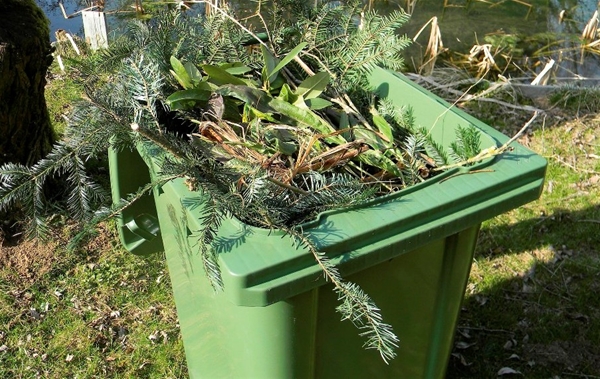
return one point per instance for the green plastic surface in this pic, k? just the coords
(138, 225)
(411, 252)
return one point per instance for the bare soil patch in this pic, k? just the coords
(581, 357)
(25, 261)
(28, 260)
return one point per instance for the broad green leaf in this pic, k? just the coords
(236, 68)
(180, 73)
(287, 59)
(314, 85)
(182, 104)
(266, 103)
(282, 132)
(319, 103)
(177, 99)
(240, 70)
(285, 148)
(269, 63)
(221, 77)
(263, 76)
(376, 158)
(370, 137)
(193, 73)
(247, 114)
(261, 115)
(278, 82)
(286, 94)
(345, 124)
(232, 110)
(384, 127)
(300, 103)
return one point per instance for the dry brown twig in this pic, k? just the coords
(465, 97)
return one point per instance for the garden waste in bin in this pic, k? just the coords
(410, 251)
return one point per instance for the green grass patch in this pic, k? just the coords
(531, 301)
(61, 92)
(100, 312)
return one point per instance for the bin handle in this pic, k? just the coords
(138, 224)
(145, 226)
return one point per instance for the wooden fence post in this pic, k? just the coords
(94, 29)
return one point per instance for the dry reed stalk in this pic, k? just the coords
(542, 78)
(446, 5)
(529, 6)
(590, 33)
(593, 44)
(138, 6)
(591, 28)
(591, 48)
(410, 6)
(333, 157)
(482, 55)
(435, 45)
(221, 134)
(210, 6)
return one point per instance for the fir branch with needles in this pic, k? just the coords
(355, 305)
(467, 143)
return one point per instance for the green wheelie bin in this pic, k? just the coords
(410, 251)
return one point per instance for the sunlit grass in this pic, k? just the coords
(93, 316)
(531, 303)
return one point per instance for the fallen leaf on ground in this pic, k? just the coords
(463, 361)
(510, 344)
(464, 345)
(464, 332)
(508, 371)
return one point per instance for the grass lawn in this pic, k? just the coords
(531, 305)
(98, 312)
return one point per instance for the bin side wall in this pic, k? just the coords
(128, 173)
(420, 294)
(224, 340)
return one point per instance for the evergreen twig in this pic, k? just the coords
(356, 305)
(491, 151)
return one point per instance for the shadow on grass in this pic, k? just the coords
(538, 309)
(561, 227)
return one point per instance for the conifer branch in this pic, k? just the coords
(491, 151)
(356, 305)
